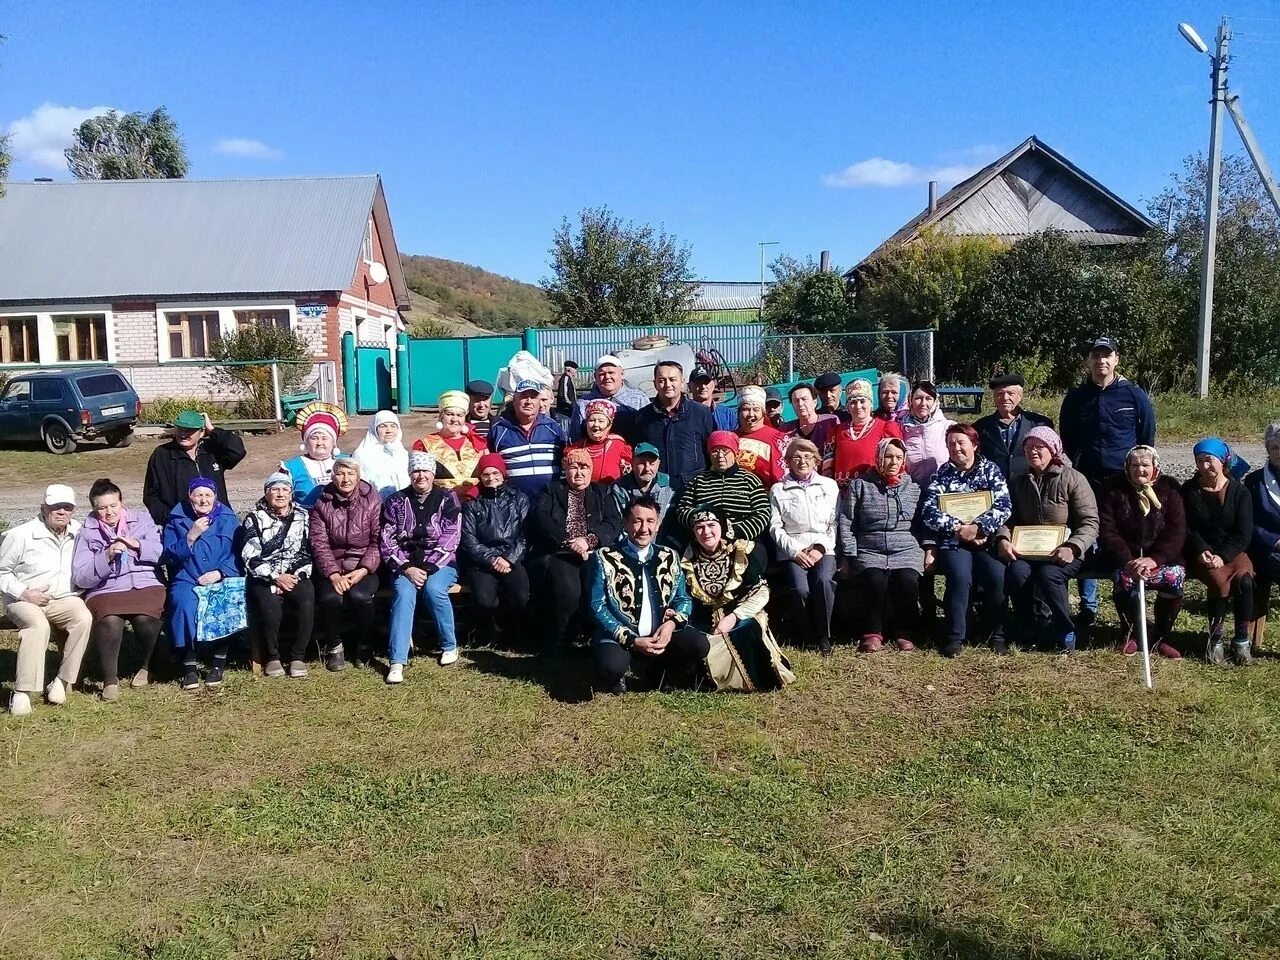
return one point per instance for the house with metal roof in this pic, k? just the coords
(1029, 190)
(148, 275)
(735, 301)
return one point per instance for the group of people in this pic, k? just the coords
(656, 530)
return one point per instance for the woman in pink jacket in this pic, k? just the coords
(924, 432)
(114, 563)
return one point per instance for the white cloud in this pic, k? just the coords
(879, 172)
(244, 147)
(41, 137)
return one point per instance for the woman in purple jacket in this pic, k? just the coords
(421, 529)
(114, 562)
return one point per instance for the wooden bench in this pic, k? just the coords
(291, 403)
(966, 400)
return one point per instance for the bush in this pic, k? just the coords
(166, 409)
(268, 343)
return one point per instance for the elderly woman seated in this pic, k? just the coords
(1050, 493)
(729, 595)
(572, 518)
(1264, 551)
(803, 527)
(345, 524)
(115, 563)
(493, 549)
(1142, 529)
(1219, 531)
(199, 550)
(960, 543)
(879, 550)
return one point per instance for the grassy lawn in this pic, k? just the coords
(887, 806)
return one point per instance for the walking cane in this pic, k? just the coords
(1142, 630)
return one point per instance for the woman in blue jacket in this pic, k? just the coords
(198, 541)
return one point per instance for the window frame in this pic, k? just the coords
(32, 354)
(179, 323)
(227, 324)
(46, 343)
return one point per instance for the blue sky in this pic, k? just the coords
(728, 123)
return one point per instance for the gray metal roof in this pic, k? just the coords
(730, 295)
(96, 240)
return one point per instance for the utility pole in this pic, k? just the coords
(1204, 329)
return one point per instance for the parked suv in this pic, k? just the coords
(63, 408)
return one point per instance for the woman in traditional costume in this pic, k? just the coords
(321, 424)
(456, 447)
(610, 454)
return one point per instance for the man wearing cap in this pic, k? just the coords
(39, 596)
(729, 488)
(1001, 434)
(197, 449)
(702, 390)
(773, 407)
(676, 426)
(610, 385)
(809, 424)
(645, 480)
(276, 553)
(760, 446)
(1102, 419)
(480, 408)
(566, 390)
(830, 389)
(529, 442)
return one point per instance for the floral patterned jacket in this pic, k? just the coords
(434, 543)
(984, 475)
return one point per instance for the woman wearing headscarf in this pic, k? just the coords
(456, 447)
(276, 552)
(345, 524)
(1050, 493)
(924, 432)
(857, 440)
(961, 547)
(1142, 530)
(493, 547)
(572, 517)
(1264, 551)
(610, 454)
(384, 462)
(114, 562)
(729, 594)
(879, 548)
(199, 550)
(321, 424)
(803, 527)
(1219, 531)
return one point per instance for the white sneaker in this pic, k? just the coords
(19, 704)
(56, 692)
(448, 657)
(396, 673)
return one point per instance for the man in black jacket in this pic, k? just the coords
(198, 449)
(1001, 434)
(677, 426)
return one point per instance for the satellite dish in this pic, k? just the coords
(377, 273)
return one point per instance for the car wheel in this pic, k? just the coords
(58, 439)
(120, 438)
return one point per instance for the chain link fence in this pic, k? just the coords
(784, 358)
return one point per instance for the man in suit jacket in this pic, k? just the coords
(1000, 434)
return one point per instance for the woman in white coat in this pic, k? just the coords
(383, 459)
(803, 527)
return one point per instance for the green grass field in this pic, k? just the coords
(894, 806)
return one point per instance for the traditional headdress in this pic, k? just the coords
(752, 396)
(859, 388)
(454, 400)
(707, 511)
(322, 416)
(600, 405)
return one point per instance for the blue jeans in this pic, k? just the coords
(963, 569)
(1089, 594)
(436, 592)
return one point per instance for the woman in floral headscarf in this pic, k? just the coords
(610, 454)
(456, 448)
(730, 594)
(1219, 531)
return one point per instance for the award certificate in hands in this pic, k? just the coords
(965, 507)
(1038, 541)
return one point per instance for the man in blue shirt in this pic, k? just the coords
(610, 385)
(530, 442)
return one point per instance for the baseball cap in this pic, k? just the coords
(189, 420)
(528, 386)
(700, 375)
(608, 360)
(1104, 343)
(772, 395)
(645, 450)
(57, 493)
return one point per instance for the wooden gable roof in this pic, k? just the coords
(1032, 188)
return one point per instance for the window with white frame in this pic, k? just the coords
(193, 334)
(80, 336)
(263, 318)
(368, 241)
(18, 340)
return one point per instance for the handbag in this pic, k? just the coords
(220, 609)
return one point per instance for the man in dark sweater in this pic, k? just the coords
(1001, 434)
(677, 426)
(198, 449)
(737, 492)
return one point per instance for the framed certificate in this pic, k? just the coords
(1038, 541)
(965, 507)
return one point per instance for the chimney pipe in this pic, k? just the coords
(824, 261)
(933, 196)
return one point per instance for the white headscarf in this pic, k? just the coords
(384, 465)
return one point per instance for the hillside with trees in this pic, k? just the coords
(462, 297)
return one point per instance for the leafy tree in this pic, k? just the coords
(605, 272)
(252, 381)
(804, 299)
(129, 146)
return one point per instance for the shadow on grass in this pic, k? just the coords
(566, 678)
(920, 935)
